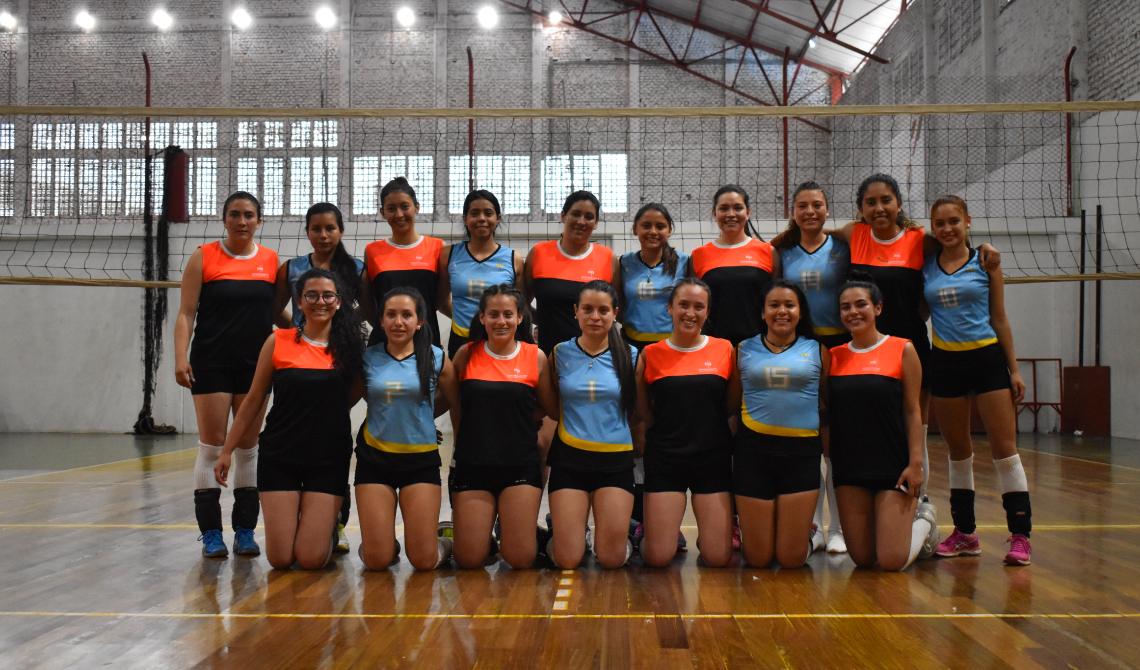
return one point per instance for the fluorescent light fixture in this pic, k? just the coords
(812, 43)
(161, 19)
(241, 19)
(555, 16)
(85, 21)
(325, 18)
(488, 17)
(7, 21)
(405, 17)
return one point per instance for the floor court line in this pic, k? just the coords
(113, 526)
(630, 616)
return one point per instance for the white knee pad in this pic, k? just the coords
(243, 472)
(1011, 474)
(204, 466)
(962, 474)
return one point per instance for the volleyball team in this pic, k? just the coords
(725, 374)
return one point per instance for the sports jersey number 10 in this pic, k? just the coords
(777, 377)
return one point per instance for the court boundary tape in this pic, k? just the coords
(629, 616)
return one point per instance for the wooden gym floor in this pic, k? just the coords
(99, 568)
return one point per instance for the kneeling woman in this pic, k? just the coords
(502, 377)
(683, 394)
(306, 446)
(776, 468)
(877, 438)
(408, 382)
(591, 456)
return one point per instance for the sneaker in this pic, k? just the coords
(244, 544)
(445, 529)
(213, 546)
(636, 532)
(1019, 550)
(959, 544)
(817, 539)
(926, 510)
(396, 557)
(542, 538)
(836, 544)
(341, 546)
(589, 539)
(735, 535)
(682, 543)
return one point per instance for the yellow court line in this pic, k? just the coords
(646, 615)
(115, 526)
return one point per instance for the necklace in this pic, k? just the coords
(781, 347)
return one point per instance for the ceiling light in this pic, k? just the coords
(488, 17)
(555, 16)
(161, 19)
(812, 43)
(241, 19)
(7, 21)
(85, 21)
(405, 17)
(325, 17)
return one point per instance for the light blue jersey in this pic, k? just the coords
(647, 289)
(781, 391)
(399, 419)
(299, 266)
(959, 304)
(590, 413)
(820, 274)
(469, 278)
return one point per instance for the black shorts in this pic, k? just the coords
(492, 478)
(278, 475)
(702, 474)
(589, 480)
(454, 343)
(370, 473)
(957, 374)
(764, 475)
(874, 484)
(232, 380)
(831, 341)
(923, 350)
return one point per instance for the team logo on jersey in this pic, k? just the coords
(646, 290)
(811, 280)
(475, 288)
(871, 365)
(518, 374)
(709, 367)
(392, 389)
(749, 260)
(948, 297)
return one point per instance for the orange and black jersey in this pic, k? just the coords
(896, 266)
(415, 265)
(498, 396)
(557, 278)
(688, 388)
(865, 411)
(235, 307)
(737, 276)
(309, 422)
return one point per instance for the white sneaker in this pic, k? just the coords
(817, 539)
(836, 544)
(926, 510)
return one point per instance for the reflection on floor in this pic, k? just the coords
(100, 567)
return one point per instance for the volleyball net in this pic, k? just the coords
(74, 181)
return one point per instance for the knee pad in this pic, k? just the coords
(204, 466)
(243, 472)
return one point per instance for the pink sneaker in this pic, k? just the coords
(959, 544)
(1019, 550)
(736, 536)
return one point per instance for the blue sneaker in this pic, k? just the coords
(244, 544)
(213, 546)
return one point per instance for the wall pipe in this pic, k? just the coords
(1069, 135)
(470, 122)
(1096, 346)
(1081, 319)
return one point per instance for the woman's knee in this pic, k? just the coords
(716, 557)
(313, 559)
(791, 560)
(757, 558)
(374, 559)
(280, 560)
(519, 559)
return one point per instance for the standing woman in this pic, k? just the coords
(818, 263)
(404, 259)
(466, 269)
(591, 456)
(876, 437)
(555, 271)
(737, 266)
(228, 287)
(408, 382)
(783, 373)
(683, 394)
(324, 227)
(306, 447)
(973, 356)
(504, 381)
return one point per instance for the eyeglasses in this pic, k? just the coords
(328, 297)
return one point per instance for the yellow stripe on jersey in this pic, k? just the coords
(395, 447)
(644, 337)
(963, 346)
(587, 445)
(821, 330)
(462, 332)
(780, 431)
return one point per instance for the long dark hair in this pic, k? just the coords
(524, 333)
(421, 339)
(579, 196)
(241, 195)
(902, 219)
(792, 234)
(803, 327)
(749, 229)
(398, 185)
(346, 335)
(480, 194)
(619, 350)
(669, 258)
(341, 264)
(863, 280)
(689, 281)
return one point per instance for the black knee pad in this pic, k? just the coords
(208, 509)
(246, 508)
(1018, 513)
(962, 510)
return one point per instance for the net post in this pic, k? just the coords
(1096, 346)
(1081, 320)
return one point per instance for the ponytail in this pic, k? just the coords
(619, 351)
(341, 264)
(421, 340)
(669, 257)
